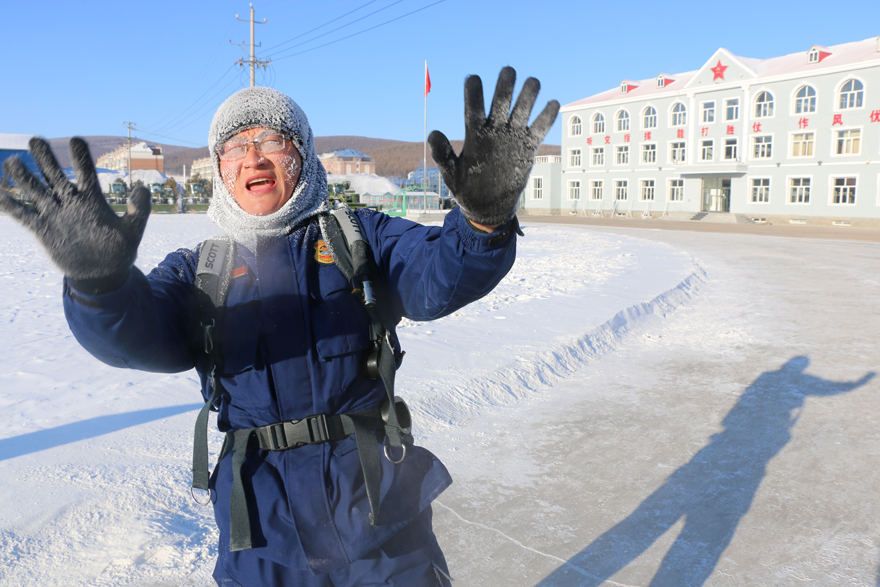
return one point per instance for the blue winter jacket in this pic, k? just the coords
(293, 343)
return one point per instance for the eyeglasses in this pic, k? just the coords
(237, 148)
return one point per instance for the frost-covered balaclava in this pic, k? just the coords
(252, 108)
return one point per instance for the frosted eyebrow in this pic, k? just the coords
(269, 132)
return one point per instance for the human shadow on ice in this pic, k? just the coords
(75, 431)
(712, 492)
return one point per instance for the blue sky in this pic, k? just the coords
(81, 68)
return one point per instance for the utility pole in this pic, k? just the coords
(252, 61)
(130, 125)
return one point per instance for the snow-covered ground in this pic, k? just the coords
(580, 407)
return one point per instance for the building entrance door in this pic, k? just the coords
(715, 195)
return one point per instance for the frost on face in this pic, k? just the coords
(230, 176)
(290, 166)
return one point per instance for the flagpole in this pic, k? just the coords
(425, 154)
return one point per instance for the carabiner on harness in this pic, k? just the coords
(196, 499)
(388, 452)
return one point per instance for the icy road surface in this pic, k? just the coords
(626, 405)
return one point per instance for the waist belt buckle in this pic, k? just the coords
(295, 433)
(317, 426)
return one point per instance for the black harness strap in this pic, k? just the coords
(212, 286)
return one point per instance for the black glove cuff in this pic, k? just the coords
(100, 285)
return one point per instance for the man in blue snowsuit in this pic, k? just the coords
(294, 337)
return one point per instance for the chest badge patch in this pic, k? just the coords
(322, 253)
(239, 272)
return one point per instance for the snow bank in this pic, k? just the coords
(365, 184)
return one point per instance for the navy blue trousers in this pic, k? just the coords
(412, 558)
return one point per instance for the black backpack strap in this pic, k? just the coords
(213, 275)
(351, 253)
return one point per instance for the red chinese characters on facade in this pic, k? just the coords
(875, 115)
(626, 138)
(648, 135)
(838, 119)
(607, 140)
(679, 134)
(704, 131)
(803, 123)
(589, 140)
(730, 129)
(756, 127)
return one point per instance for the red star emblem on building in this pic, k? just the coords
(718, 71)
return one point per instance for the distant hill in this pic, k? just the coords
(392, 158)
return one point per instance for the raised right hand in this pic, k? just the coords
(76, 226)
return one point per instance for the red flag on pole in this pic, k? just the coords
(427, 80)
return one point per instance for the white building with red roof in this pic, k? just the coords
(787, 139)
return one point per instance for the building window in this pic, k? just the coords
(575, 126)
(848, 141)
(574, 158)
(677, 152)
(623, 120)
(599, 156)
(799, 190)
(649, 153)
(679, 114)
(620, 189)
(537, 188)
(706, 150)
(598, 123)
(764, 105)
(805, 100)
(574, 190)
(676, 190)
(763, 147)
(851, 94)
(844, 190)
(731, 109)
(648, 190)
(650, 117)
(814, 56)
(802, 144)
(761, 190)
(730, 146)
(622, 155)
(596, 190)
(708, 109)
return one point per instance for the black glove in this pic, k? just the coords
(493, 168)
(76, 226)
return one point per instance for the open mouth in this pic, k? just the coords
(260, 183)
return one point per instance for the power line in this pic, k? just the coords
(209, 104)
(360, 32)
(143, 132)
(171, 124)
(311, 11)
(345, 25)
(197, 79)
(322, 26)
